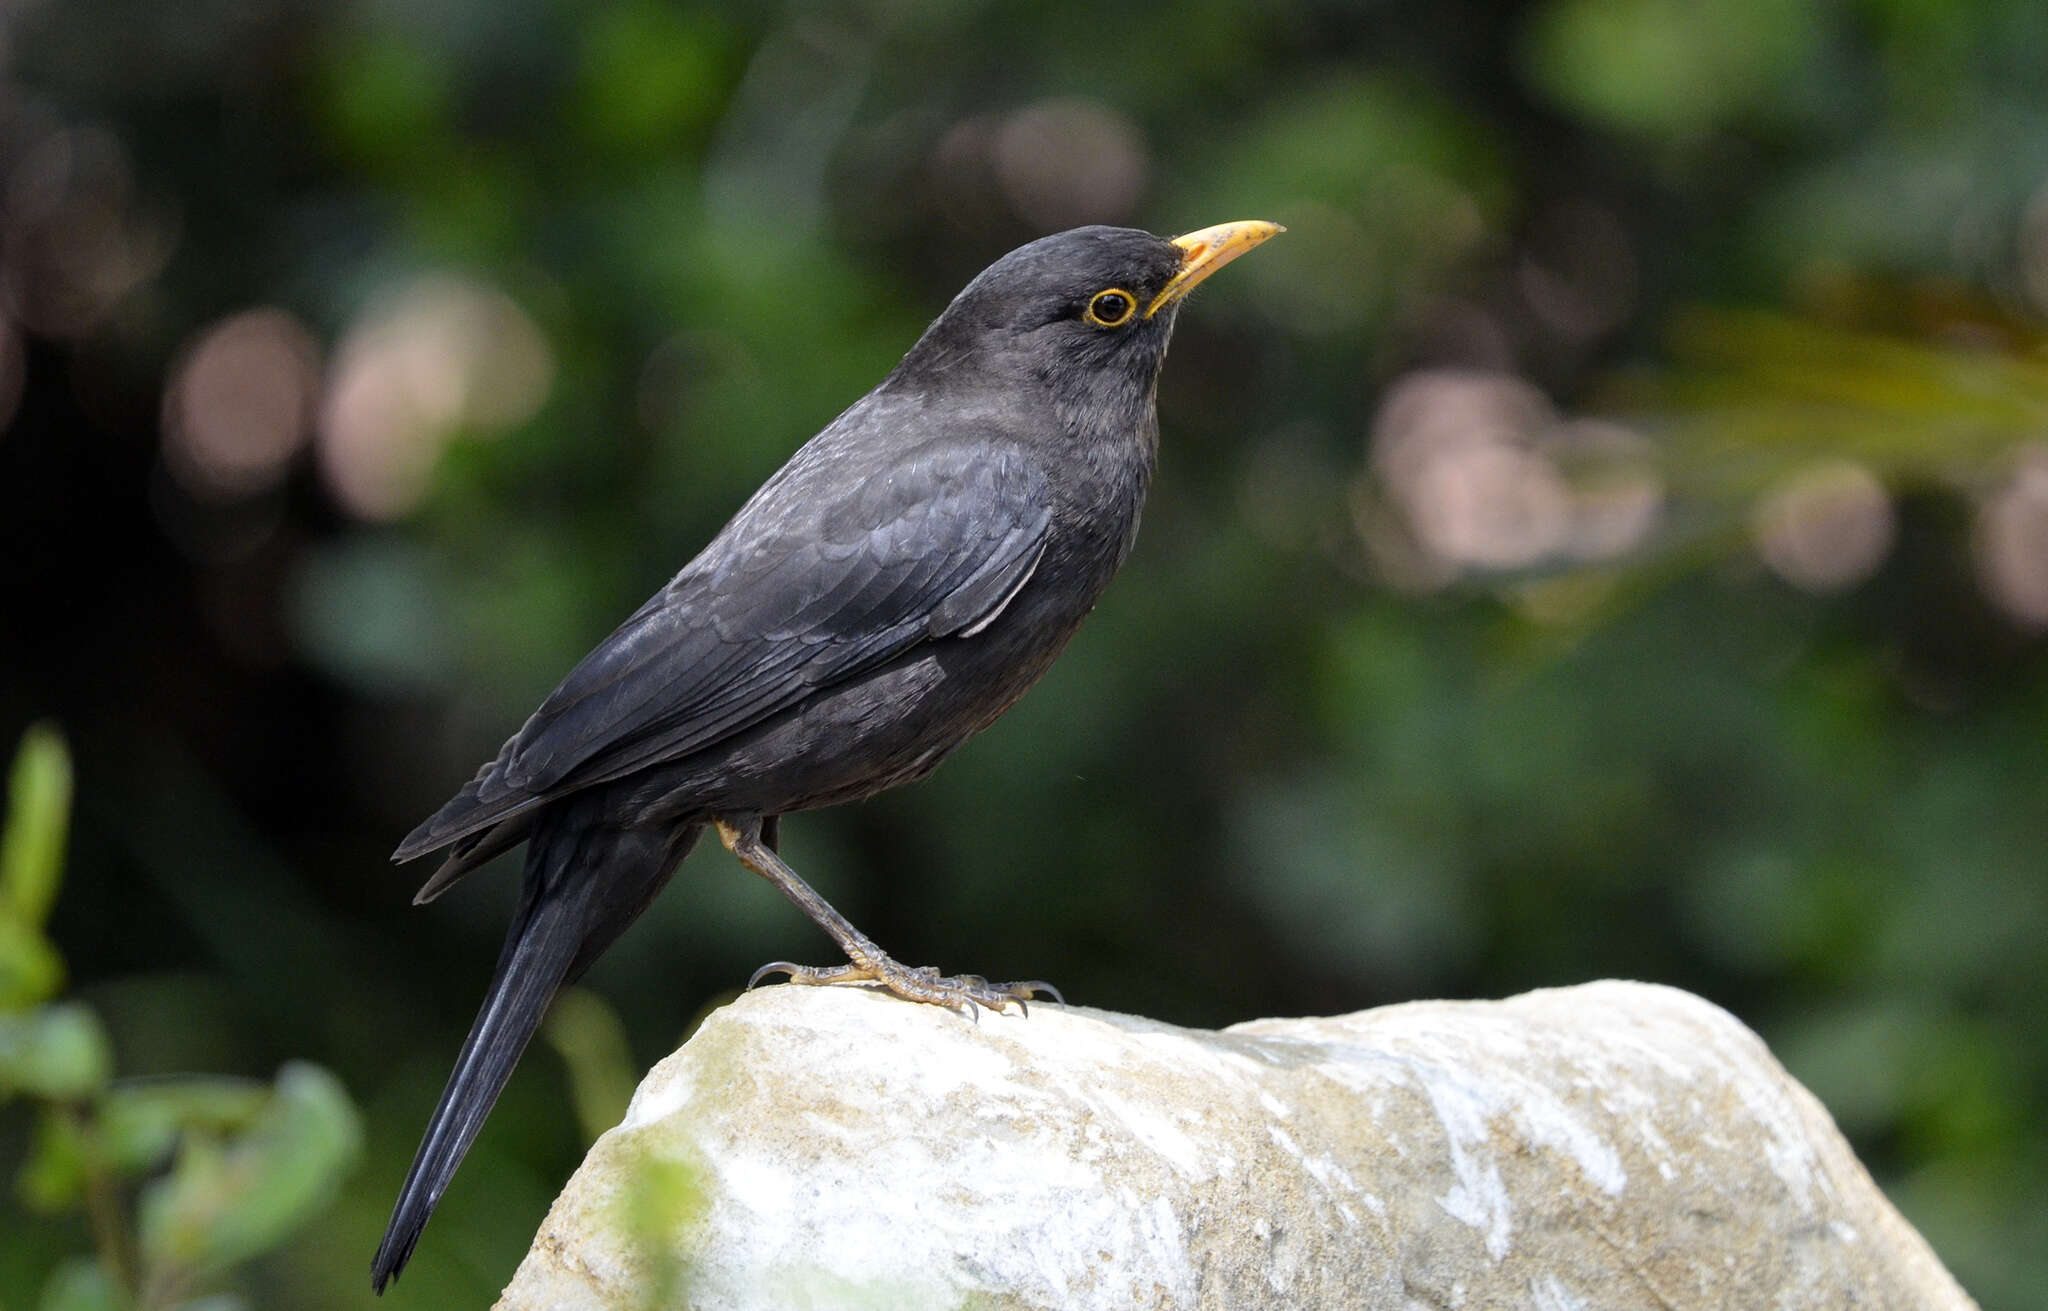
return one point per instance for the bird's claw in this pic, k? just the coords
(1025, 989)
(967, 993)
(791, 968)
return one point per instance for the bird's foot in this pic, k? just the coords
(960, 992)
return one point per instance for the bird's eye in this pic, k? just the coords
(1112, 308)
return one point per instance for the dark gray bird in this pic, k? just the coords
(885, 596)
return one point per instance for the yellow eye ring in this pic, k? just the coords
(1111, 308)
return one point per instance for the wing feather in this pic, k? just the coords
(810, 584)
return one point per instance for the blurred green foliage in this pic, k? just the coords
(1608, 535)
(31, 865)
(587, 1035)
(214, 1170)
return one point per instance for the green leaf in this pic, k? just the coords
(53, 1177)
(664, 1194)
(38, 816)
(593, 1046)
(59, 1052)
(81, 1285)
(31, 971)
(32, 865)
(141, 1120)
(230, 1199)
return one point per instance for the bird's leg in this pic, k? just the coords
(868, 963)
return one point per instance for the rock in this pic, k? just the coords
(1613, 1145)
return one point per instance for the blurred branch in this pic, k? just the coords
(1754, 391)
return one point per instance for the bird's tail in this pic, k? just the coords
(584, 884)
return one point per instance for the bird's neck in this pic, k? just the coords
(1102, 409)
(1101, 417)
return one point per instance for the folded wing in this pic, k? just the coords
(810, 584)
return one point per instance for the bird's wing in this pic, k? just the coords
(811, 583)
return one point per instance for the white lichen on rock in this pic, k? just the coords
(1612, 1145)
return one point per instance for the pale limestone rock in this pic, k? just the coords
(1615, 1145)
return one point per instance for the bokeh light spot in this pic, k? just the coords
(75, 240)
(1578, 272)
(1487, 476)
(1063, 163)
(238, 404)
(1825, 528)
(445, 356)
(2012, 542)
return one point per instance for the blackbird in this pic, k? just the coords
(887, 594)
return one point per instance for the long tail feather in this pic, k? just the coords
(584, 884)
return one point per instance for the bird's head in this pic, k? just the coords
(1081, 309)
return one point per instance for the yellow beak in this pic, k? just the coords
(1207, 250)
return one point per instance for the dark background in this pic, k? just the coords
(1607, 535)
